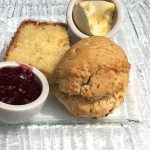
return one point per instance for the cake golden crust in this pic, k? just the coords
(93, 75)
(40, 44)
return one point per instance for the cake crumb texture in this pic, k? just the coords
(40, 44)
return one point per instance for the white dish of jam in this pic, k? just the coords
(23, 92)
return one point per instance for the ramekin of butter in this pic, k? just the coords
(23, 92)
(89, 17)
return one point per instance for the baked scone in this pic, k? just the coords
(92, 78)
(40, 44)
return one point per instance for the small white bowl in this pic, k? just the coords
(117, 22)
(21, 113)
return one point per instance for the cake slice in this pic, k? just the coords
(40, 44)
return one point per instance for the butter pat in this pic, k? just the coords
(94, 17)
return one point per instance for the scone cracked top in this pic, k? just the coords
(92, 78)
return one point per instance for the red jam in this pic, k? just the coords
(18, 85)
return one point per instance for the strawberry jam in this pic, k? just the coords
(18, 85)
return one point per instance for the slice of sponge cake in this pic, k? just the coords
(40, 44)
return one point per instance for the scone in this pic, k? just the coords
(40, 44)
(92, 78)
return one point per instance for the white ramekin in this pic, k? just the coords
(112, 32)
(21, 113)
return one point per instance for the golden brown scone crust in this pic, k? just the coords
(80, 106)
(92, 78)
